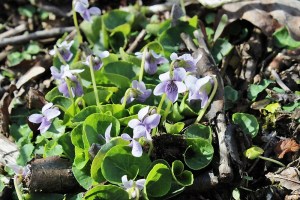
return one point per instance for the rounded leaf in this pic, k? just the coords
(248, 123)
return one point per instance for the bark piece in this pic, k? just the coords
(52, 174)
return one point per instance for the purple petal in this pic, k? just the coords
(143, 112)
(80, 8)
(94, 11)
(137, 149)
(46, 107)
(160, 88)
(133, 123)
(190, 82)
(150, 66)
(139, 131)
(86, 15)
(179, 74)
(78, 90)
(144, 96)
(36, 118)
(51, 113)
(107, 133)
(152, 121)
(66, 54)
(140, 184)
(165, 76)
(127, 184)
(181, 87)
(125, 136)
(55, 73)
(138, 54)
(172, 91)
(103, 54)
(52, 52)
(174, 56)
(45, 125)
(162, 60)
(63, 88)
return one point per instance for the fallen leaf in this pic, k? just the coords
(285, 146)
(288, 178)
(268, 15)
(31, 73)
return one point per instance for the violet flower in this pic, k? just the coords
(152, 60)
(81, 6)
(19, 170)
(199, 88)
(107, 136)
(138, 92)
(45, 119)
(64, 50)
(141, 128)
(65, 72)
(145, 123)
(133, 187)
(137, 150)
(185, 61)
(171, 85)
(96, 60)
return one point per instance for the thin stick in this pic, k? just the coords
(13, 31)
(279, 81)
(137, 40)
(35, 36)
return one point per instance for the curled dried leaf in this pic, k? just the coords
(285, 146)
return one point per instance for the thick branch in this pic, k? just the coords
(35, 36)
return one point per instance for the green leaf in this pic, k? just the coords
(122, 68)
(175, 115)
(62, 101)
(223, 22)
(67, 146)
(43, 196)
(158, 181)
(96, 124)
(27, 11)
(283, 39)
(117, 110)
(81, 158)
(116, 18)
(231, 96)
(76, 136)
(52, 94)
(96, 173)
(272, 107)
(171, 40)
(52, 148)
(119, 162)
(253, 152)
(198, 154)
(174, 128)
(92, 29)
(236, 194)
(25, 154)
(117, 40)
(121, 82)
(199, 131)
(33, 48)
(254, 90)
(220, 49)
(14, 58)
(181, 176)
(106, 192)
(247, 122)
(103, 95)
(130, 58)
(84, 113)
(158, 28)
(83, 177)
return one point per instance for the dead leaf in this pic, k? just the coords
(285, 146)
(288, 178)
(268, 15)
(31, 73)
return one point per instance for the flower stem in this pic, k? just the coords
(150, 148)
(166, 112)
(183, 7)
(272, 160)
(17, 178)
(161, 103)
(76, 23)
(126, 97)
(143, 65)
(60, 56)
(212, 95)
(94, 81)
